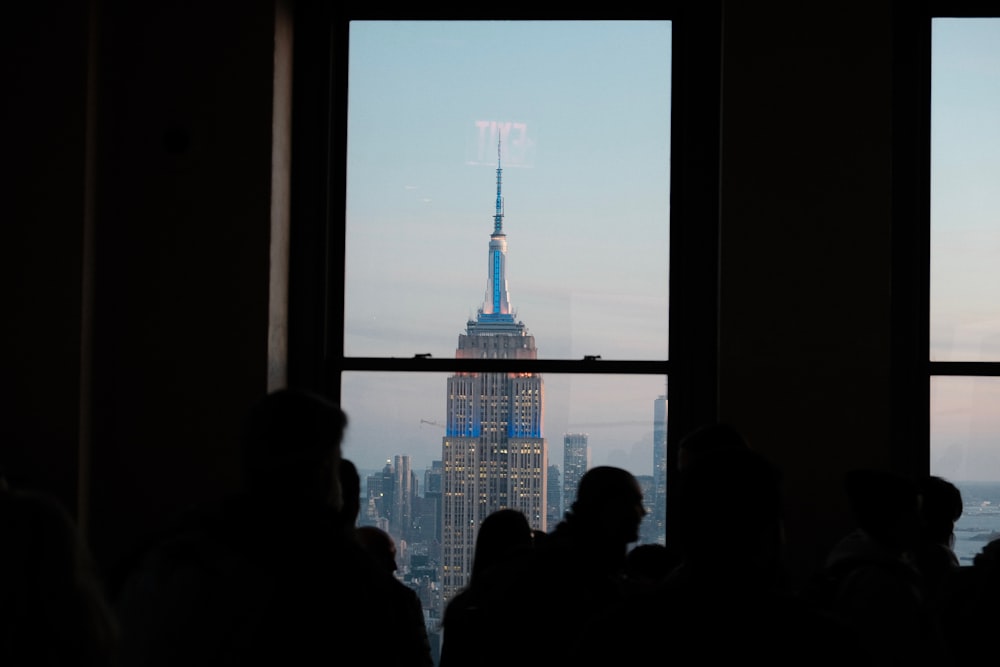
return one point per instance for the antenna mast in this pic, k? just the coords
(498, 218)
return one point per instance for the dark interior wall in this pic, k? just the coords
(169, 214)
(806, 254)
(182, 232)
(44, 77)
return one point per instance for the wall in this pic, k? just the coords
(176, 195)
(806, 255)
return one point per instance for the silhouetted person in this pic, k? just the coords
(709, 441)
(382, 548)
(273, 578)
(504, 536)
(970, 606)
(538, 537)
(350, 490)
(743, 488)
(379, 545)
(933, 554)
(728, 601)
(878, 590)
(647, 565)
(53, 609)
(577, 573)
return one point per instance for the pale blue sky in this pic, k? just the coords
(584, 112)
(584, 108)
(965, 244)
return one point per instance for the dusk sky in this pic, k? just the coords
(583, 112)
(965, 244)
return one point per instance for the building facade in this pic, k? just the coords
(576, 461)
(554, 500)
(404, 489)
(493, 453)
(659, 513)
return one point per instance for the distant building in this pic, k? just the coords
(576, 461)
(493, 452)
(380, 495)
(554, 500)
(659, 510)
(430, 514)
(391, 498)
(404, 486)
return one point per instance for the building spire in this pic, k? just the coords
(498, 218)
(496, 306)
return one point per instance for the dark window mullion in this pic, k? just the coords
(452, 365)
(964, 368)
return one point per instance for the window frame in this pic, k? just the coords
(315, 334)
(914, 370)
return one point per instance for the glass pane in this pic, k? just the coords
(404, 413)
(965, 450)
(544, 144)
(415, 426)
(965, 171)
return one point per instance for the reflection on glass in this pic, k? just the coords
(965, 199)
(550, 136)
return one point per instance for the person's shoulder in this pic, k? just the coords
(401, 590)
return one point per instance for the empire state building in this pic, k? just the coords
(493, 452)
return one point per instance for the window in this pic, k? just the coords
(501, 197)
(964, 278)
(556, 134)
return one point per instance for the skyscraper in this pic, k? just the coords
(576, 461)
(401, 515)
(493, 452)
(554, 500)
(659, 513)
(647, 527)
(390, 496)
(432, 502)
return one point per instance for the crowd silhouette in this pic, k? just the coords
(274, 576)
(54, 609)
(283, 574)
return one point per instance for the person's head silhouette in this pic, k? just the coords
(500, 533)
(291, 446)
(707, 442)
(609, 501)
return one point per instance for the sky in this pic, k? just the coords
(582, 110)
(965, 244)
(583, 115)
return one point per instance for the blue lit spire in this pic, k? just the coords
(496, 306)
